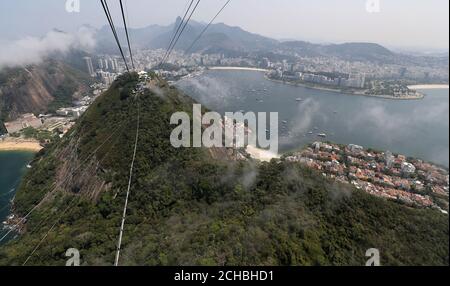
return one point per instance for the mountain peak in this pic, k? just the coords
(177, 21)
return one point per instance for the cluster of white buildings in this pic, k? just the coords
(108, 64)
(375, 70)
(352, 81)
(74, 112)
(106, 70)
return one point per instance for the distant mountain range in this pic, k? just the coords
(218, 38)
(355, 51)
(221, 38)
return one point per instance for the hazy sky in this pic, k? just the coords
(399, 23)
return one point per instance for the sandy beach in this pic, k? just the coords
(428, 86)
(238, 68)
(14, 144)
(260, 154)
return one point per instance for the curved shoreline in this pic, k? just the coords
(260, 154)
(412, 87)
(421, 95)
(238, 69)
(346, 93)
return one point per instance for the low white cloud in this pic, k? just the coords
(33, 50)
(307, 113)
(210, 91)
(387, 122)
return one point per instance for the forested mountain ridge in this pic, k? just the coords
(191, 206)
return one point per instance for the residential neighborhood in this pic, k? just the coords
(383, 174)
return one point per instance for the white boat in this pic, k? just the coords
(322, 135)
(299, 99)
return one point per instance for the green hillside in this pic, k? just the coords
(198, 206)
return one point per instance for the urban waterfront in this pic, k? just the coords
(417, 128)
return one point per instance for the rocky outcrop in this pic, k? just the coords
(34, 88)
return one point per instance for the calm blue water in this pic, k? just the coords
(12, 167)
(418, 128)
